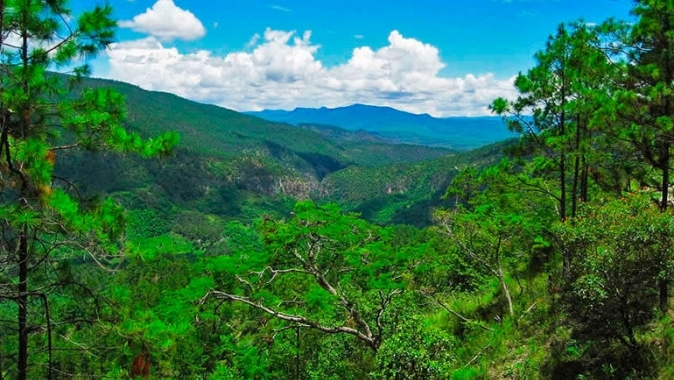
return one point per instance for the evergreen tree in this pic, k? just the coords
(641, 108)
(555, 112)
(44, 225)
(644, 106)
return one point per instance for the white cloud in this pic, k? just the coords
(279, 70)
(166, 22)
(280, 8)
(253, 41)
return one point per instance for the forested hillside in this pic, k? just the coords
(228, 163)
(147, 236)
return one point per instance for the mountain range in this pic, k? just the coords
(239, 166)
(395, 126)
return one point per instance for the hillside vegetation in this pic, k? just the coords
(228, 162)
(231, 249)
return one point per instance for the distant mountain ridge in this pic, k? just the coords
(239, 166)
(398, 126)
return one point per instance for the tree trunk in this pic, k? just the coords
(23, 242)
(668, 78)
(583, 161)
(664, 186)
(562, 156)
(566, 262)
(297, 354)
(663, 283)
(2, 367)
(574, 190)
(22, 301)
(576, 171)
(562, 186)
(506, 293)
(584, 181)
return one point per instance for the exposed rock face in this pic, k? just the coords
(298, 188)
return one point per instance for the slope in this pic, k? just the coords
(228, 164)
(405, 193)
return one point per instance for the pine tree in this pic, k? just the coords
(554, 113)
(43, 224)
(645, 104)
(641, 109)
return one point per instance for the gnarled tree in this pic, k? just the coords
(326, 271)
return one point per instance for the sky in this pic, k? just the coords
(441, 57)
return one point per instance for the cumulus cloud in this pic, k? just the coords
(167, 22)
(279, 70)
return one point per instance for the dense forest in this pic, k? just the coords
(147, 236)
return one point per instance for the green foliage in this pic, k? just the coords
(321, 271)
(538, 266)
(618, 251)
(497, 231)
(558, 116)
(247, 170)
(406, 193)
(642, 105)
(465, 374)
(417, 350)
(46, 226)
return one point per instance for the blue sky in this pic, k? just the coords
(441, 57)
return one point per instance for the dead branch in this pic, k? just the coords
(366, 336)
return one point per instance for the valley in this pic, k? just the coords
(228, 162)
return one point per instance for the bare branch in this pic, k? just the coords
(383, 304)
(275, 272)
(366, 337)
(62, 147)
